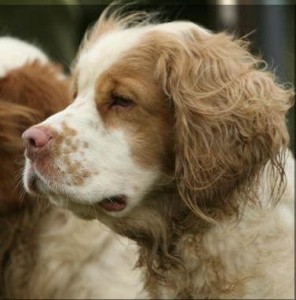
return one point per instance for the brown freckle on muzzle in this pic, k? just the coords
(56, 146)
(80, 177)
(74, 147)
(85, 144)
(68, 131)
(85, 174)
(72, 167)
(76, 174)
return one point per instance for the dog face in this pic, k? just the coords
(156, 104)
(112, 145)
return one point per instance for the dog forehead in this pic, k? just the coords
(110, 47)
(105, 52)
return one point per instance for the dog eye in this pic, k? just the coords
(120, 101)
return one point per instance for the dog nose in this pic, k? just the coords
(35, 139)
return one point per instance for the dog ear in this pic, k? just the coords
(229, 120)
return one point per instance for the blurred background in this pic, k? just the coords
(58, 26)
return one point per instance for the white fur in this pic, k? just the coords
(103, 54)
(178, 27)
(15, 53)
(83, 260)
(226, 253)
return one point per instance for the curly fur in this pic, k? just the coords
(241, 121)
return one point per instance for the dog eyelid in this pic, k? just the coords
(120, 101)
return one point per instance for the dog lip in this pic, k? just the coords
(32, 181)
(114, 203)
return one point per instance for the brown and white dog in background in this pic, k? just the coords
(47, 252)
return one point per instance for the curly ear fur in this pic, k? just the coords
(229, 121)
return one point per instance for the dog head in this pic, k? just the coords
(157, 107)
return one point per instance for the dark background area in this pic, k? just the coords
(58, 29)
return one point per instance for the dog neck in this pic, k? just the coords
(157, 227)
(162, 226)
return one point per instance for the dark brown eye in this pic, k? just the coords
(120, 101)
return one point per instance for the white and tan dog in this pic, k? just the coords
(177, 139)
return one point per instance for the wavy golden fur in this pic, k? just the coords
(230, 121)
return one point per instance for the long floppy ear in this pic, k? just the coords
(229, 120)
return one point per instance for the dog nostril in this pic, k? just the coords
(32, 142)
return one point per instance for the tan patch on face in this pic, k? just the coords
(68, 131)
(148, 122)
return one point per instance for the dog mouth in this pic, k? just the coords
(114, 204)
(109, 204)
(36, 186)
(32, 181)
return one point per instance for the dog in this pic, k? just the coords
(47, 252)
(176, 138)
